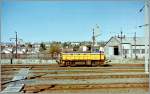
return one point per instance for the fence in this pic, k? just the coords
(27, 56)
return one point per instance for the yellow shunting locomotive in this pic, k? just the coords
(73, 59)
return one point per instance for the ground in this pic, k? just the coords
(50, 78)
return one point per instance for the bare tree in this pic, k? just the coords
(55, 49)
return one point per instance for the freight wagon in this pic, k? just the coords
(73, 59)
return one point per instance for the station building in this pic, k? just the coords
(129, 48)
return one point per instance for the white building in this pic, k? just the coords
(7, 50)
(75, 43)
(83, 48)
(128, 47)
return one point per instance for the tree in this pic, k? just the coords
(65, 44)
(42, 47)
(22, 45)
(76, 48)
(29, 45)
(55, 49)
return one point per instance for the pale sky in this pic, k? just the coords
(37, 21)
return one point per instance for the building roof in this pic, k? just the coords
(129, 40)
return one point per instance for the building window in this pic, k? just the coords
(125, 51)
(143, 51)
(134, 51)
(137, 51)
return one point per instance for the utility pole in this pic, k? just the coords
(121, 36)
(135, 45)
(16, 40)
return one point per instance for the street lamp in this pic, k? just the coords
(94, 36)
(143, 25)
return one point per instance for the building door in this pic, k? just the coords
(116, 50)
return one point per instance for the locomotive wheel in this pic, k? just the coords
(93, 64)
(67, 63)
(73, 64)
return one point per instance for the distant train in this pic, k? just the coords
(73, 59)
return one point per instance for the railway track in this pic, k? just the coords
(51, 78)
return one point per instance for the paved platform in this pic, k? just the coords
(17, 86)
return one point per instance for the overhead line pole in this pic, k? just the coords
(121, 38)
(135, 45)
(16, 44)
(16, 40)
(148, 67)
(147, 33)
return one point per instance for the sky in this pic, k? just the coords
(42, 21)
